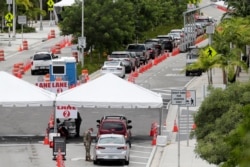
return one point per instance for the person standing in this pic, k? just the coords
(78, 122)
(87, 143)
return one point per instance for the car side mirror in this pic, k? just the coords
(98, 121)
(129, 121)
(97, 126)
(129, 127)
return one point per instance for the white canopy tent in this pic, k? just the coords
(16, 92)
(110, 91)
(64, 3)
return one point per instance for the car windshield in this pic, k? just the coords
(111, 140)
(119, 56)
(42, 56)
(117, 126)
(136, 47)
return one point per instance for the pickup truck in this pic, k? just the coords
(41, 61)
(141, 51)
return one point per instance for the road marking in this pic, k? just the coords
(174, 75)
(133, 162)
(138, 157)
(77, 159)
(134, 145)
(145, 152)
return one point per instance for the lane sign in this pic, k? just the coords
(22, 19)
(8, 24)
(50, 3)
(178, 97)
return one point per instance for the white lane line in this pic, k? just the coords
(137, 163)
(134, 145)
(138, 157)
(145, 152)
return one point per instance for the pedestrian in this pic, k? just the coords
(87, 143)
(78, 122)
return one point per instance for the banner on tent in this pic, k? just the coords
(66, 112)
(56, 87)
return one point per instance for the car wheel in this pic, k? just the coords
(95, 162)
(127, 162)
(32, 72)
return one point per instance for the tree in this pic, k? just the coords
(217, 118)
(239, 8)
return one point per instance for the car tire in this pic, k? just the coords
(32, 72)
(95, 162)
(127, 162)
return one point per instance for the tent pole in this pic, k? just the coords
(160, 121)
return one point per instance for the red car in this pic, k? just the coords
(115, 125)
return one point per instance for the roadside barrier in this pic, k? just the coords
(85, 75)
(52, 34)
(21, 68)
(175, 128)
(46, 78)
(15, 69)
(58, 48)
(2, 55)
(175, 51)
(20, 48)
(131, 78)
(25, 45)
(153, 129)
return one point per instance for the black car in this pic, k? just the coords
(167, 45)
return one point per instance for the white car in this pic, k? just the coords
(111, 147)
(114, 67)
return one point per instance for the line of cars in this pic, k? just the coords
(113, 140)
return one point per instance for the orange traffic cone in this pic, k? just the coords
(154, 138)
(20, 48)
(175, 128)
(46, 139)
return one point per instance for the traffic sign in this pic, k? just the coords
(8, 24)
(190, 98)
(82, 42)
(178, 97)
(50, 3)
(210, 52)
(22, 19)
(9, 17)
(50, 9)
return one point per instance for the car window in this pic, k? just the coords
(117, 126)
(111, 63)
(42, 56)
(119, 56)
(111, 140)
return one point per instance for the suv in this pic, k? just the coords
(126, 57)
(115, 124)
(41, 61)
(192, 57)
(141, 51)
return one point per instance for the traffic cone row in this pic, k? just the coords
(176, 129)
(46, 138)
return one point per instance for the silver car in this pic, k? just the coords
(111, 147)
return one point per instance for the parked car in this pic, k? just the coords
(126, 58)
(41, 61)
(116, 125)
(167, 46)
(177, 38)
(140, 50)
(137, 59)
(205, 21)
(154, 47)
(114, 67)
(111, 147)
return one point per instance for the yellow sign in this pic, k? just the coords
(210, 52)
(9, 24)
(50, 3)
(9, 17)
(50, 9)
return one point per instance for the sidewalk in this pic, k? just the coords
(168, 155)
(33, 38)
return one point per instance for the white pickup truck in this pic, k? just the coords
(41, 62)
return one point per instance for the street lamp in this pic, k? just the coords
(41, 17)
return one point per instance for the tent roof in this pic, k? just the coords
(64, 3)
(110, 91)
(17, 92)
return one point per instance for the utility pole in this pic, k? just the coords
(14, 19)
(41, 17)
(82, 49)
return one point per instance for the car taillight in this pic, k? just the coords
(122, 148)
(99, 148)
(32, 63)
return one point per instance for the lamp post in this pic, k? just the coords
(82, 48)
(41, 17)
(14, 19)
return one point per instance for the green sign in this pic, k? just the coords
(50, 3)
(210, 52)
(9, 17)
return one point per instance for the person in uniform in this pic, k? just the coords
(87, 143)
